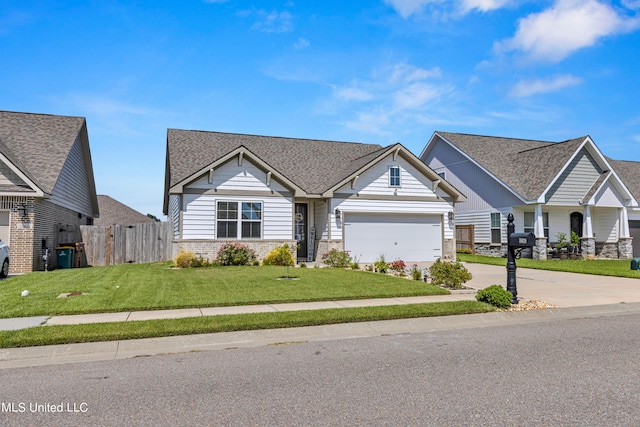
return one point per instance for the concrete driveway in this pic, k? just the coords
(559, 288)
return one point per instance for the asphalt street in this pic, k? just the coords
(565, 372)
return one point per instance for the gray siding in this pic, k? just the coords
(575, 181)
(482, 191)
(72, 188)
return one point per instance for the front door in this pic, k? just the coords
(300, 229)
(576, 223)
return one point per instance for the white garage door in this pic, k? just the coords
(411, 238)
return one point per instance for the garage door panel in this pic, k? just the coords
(411, 238)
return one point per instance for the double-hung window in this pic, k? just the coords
(496, 229)
(243, 216)
(530, 223)
(394, 176)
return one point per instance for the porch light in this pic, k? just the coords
(451, 215)
(338, 213)
(22, 208)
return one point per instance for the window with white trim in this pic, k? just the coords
(394, 176)
(249, 222)
(496, 229)
(530, 223)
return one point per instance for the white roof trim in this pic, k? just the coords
(239, 152)
(32, 185)
(602, 161)
(399, 149)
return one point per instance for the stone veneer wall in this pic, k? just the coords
(208, 249)
(540, 249)
(491, 250)
(625, 248)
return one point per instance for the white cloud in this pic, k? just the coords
(273, 22)
(568, 26)
(483, 5)
(352, 94)
(415, 96)
(302, 43)
(395, 94)
(405, 73)
(525, 88)
(406, 8)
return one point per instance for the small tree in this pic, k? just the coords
(449, 274)
(281, 255)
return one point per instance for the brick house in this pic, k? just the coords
(47, 187)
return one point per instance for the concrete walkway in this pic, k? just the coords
(130, 316)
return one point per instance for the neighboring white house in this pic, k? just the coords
(550, 187)
(321, 195)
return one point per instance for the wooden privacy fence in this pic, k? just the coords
(465, 238)
(126, 244)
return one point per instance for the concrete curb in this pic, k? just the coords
(73, 353)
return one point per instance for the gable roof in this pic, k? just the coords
(115, 212)
(312, 167)
(38, 144)
(297, 159)
(629, 173)
(526, 167)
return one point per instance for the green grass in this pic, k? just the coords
(617, 267)
(50, 335)
(157, 287)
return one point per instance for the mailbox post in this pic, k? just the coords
(515, 241)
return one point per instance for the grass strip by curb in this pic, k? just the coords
(51, 335)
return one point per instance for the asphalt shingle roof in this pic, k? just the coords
(38, 144)
(629, 173)
(313, 165)
(526, 166)
(115, 212)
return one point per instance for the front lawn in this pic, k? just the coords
(601, 267)
(156, 286)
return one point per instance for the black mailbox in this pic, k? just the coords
(522, 240)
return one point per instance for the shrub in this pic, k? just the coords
(235, 254)
(416, 273)
(336, 258)
(495, 295)
(381, 265)
(185, 259)
(398, 265)
(281, 255)
(449, 274)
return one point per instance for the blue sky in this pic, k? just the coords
(381, 71)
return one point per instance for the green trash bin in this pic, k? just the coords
(635, 264)
(64, 257)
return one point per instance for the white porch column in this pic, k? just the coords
(624, 223)
(587, 226)
(538, 228)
